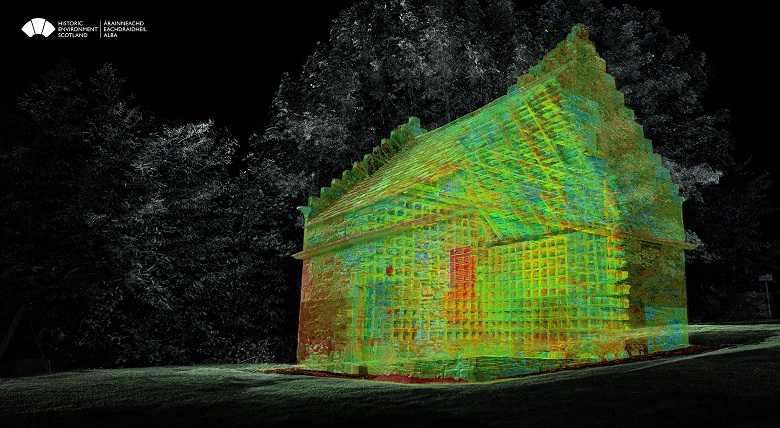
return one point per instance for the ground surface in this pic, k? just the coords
(736, 385)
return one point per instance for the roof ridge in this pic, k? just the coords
(401, 139)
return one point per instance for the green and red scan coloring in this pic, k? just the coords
(536, 232)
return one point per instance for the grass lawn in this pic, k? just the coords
(734, 386)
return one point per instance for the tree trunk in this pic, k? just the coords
(11, 330)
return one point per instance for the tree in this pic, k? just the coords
(123, 232)
(45, 259)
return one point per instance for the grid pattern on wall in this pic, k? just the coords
(500, 237)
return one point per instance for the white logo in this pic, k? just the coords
(38, 26)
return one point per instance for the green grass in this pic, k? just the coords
(734, 386)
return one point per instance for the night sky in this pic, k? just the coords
(225, 63)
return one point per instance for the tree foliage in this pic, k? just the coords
(123, 233)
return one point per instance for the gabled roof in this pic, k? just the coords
(533, 115)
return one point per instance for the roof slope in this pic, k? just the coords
(532, 135)
(401, 139)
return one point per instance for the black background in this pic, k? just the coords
(224, 63)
